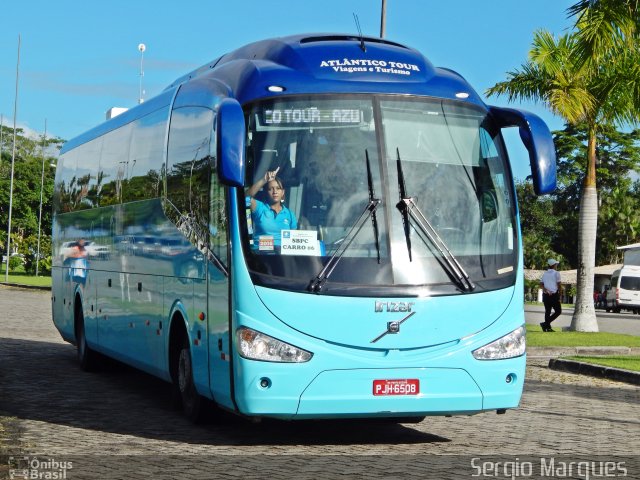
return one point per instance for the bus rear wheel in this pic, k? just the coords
(191, 400)
(87, 358)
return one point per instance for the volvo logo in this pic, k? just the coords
(393, 327)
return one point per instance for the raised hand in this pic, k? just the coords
(271, 175)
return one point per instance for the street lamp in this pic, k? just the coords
(1, 140)
(141, 48)
(383, 18)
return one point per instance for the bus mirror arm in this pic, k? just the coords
(538, 140)
(231, 135)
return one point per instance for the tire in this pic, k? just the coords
(192, 402)
(87, 358)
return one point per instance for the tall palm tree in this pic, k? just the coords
(605, 24)
(597, 92)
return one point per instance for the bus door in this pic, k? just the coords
(219, 352)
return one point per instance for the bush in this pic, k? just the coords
(30, 264)
(15, 262)
(44, 267)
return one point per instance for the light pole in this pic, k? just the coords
(44, 138)
(13, 159)
(1, 132)
(383, 18)
(141, 48)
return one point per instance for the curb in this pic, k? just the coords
(28, 287)
(552, 352)
(600, 371)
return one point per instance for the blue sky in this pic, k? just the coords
(80, 58)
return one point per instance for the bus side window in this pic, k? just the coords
(188, 171)
(86, 194)
(142, 172)
(113, 163)
(67, 180)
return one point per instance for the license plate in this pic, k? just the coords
(406, 386)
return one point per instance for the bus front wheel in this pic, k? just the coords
(189, 396)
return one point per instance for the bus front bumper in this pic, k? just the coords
(401, 392)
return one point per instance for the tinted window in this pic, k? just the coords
(630, 283)
(217, 209)
(65, 181)
(86, 188)
(146, 157)
(188, 171)
(113, 163)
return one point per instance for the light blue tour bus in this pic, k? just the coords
(379, 274)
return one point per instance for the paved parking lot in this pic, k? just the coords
(119, 424)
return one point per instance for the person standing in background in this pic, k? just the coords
(550, 284)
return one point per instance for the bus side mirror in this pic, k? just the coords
(537, 138)
(230, 143)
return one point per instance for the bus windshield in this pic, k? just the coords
(345, 167)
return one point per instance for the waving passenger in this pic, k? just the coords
(271, 219)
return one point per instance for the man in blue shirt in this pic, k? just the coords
(270, 220)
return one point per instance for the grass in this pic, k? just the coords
(626, 362)
(537, 338)
(26, 279)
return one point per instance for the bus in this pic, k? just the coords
(394, 290)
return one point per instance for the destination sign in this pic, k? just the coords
(312, 115)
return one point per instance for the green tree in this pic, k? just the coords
(618, 155)
(28, 168)
(593, 87)
(540, 226)
(605, 25)
(619, 223)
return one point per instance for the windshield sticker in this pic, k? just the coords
(505, 270)
(300, 242)
(358, 65)
(265, 242)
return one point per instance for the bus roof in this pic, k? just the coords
(311, 63)
(330, 63)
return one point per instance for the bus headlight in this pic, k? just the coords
(512, 345)
(258, 346)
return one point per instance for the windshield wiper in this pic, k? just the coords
(411, 211)
(372, 199)
(317, 283)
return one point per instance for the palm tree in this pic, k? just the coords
(598, 92)
(605, 24)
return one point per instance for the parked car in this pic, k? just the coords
(624, 293)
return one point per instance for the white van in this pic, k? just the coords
(624, 292)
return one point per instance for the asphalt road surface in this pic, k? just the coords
(623, 322)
